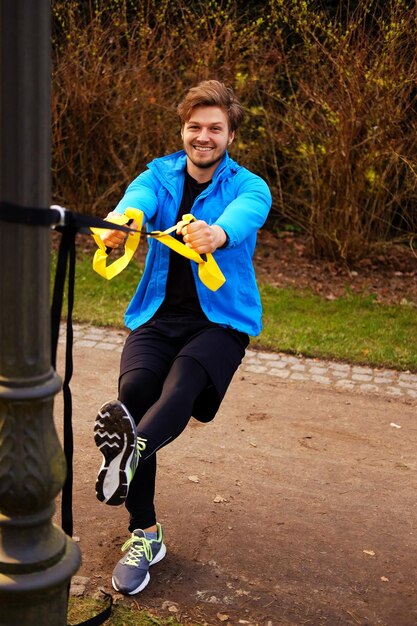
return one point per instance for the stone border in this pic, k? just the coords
(343, 376)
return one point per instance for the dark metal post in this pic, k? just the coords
(37, 559)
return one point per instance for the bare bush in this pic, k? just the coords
(344, 128)
(330, 102)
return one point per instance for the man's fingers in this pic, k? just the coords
(198, 236)
(133, 225)
(115, 238)
(181, 227)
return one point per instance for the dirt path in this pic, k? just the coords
(297, 505)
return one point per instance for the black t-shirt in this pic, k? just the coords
(181, 293)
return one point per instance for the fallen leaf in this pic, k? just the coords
(219, 499)
(170, 606)
(194, 479)
(369, 552)
(222, 617)
(402, 465)
(395, 425)
(384, 579)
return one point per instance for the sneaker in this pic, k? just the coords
(131, 573)
(116, 438)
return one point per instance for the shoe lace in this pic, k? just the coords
(140, 447)
(138, 547)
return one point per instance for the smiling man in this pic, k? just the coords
(186, 341)
(206, 136)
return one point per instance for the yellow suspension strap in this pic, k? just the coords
(131, 243)
(208, 270)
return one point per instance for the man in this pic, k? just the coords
(186, 341)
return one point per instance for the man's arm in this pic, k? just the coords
(248, 211)
(140, 194)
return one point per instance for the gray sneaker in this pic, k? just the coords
(131, 573)
(116, 438)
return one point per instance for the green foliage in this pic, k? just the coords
(354, 328)
(99, 301)
(328, 88)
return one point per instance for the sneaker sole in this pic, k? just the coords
(158, 557)
(115, 437)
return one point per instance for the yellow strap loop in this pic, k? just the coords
(131, 243)
(208, 270)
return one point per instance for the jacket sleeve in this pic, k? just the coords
(249, 210)
(141, 194)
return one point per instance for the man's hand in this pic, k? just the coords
(201, 237)
(116, 238)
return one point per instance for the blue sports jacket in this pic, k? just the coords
(238, 201)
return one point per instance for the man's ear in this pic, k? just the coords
(231, 137)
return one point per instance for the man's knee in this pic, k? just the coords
(139, 387)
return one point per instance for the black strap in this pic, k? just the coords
(66, 259)
(97, 620)
(68, 223)
(58, 217)
(10, 212)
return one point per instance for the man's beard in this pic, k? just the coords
(207, 164)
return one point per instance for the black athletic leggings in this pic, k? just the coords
(161, 410)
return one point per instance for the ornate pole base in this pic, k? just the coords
(37, 560)
(40, 597)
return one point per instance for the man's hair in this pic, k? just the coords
(212, 93)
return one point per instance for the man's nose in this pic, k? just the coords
(203, 134)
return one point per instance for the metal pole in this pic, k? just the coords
(37, 559)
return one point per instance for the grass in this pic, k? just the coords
(84, 608)
(353, 328)
(99, 301)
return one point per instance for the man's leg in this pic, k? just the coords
(165, 420)
(115, 433)
(170, 414)
(138, 390)
(124, 447)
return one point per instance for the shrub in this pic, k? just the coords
(330, 98)
(342, 124)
